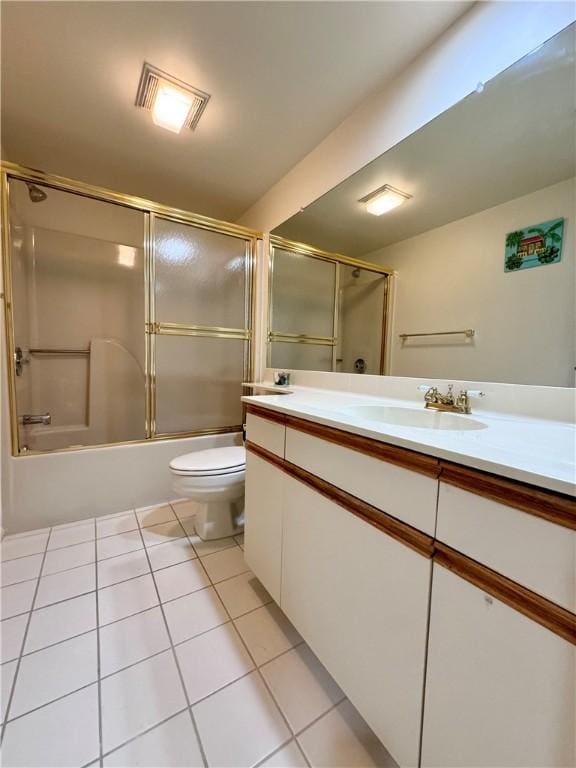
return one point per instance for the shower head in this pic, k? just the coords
(36, 194)
(356, 272)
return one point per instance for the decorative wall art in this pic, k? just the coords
(534, 246)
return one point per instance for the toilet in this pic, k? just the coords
(214, 479)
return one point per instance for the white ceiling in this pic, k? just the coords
(282, 75)
(515, 137)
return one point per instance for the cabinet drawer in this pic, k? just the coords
(533, 552)
(267, 434)
(402, 493)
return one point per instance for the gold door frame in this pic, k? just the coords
(338, 259)
(150, 210)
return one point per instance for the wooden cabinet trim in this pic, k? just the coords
(412, 460)
(398, 530)
(550, 615)
(554, 507)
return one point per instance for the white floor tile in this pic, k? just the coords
(161, 534)
(70, 557)
(67, 584)
(171, 553)
(112, 525)
(23, 569)
(180, 579)
(17, 598)
(121, 568)
(242, 594)
(341, 739)
(61, 621)
(112, 546)
(206, 547)
(23, 534)
(225, 564)
(76, 534)
(21, 547)
(289, 756)
(155, 515)
(190, 615)
(63, 734)
(267, 633)
(12, 633)
(7, 672)
(139, 697)
(49, 674)
(133, 639)
(170, 745)
(212, 660)
(184, 509)
(301, 686)
(126, 598)
(240, 725)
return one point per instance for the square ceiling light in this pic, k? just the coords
(173, 103)
(384, 199)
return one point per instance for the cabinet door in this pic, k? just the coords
(360, 599)
(263, 523)
(500, 689)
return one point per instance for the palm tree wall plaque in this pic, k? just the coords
(551, 237)
(513, 240)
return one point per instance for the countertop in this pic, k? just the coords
(536, 451)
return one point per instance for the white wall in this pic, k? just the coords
(483, 42)
(453, 277)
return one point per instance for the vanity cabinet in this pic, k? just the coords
(441, 598)
(360, 600)
(500, 688)
(263, 525)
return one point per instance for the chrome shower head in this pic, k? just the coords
(356, 272)
(36, 194)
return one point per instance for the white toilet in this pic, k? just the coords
(214, 479)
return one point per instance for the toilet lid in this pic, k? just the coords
(214, 461)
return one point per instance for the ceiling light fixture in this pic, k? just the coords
(384, 199)
(173, 103)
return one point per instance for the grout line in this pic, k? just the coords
(276, 750)
(98, 650)
(143, 733)
(175, 657)
(256, 667)
(52, 701)
(23, 643)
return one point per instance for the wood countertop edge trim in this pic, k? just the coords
(548, 614)
(402, 532)
(552, 506)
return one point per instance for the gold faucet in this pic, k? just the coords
(459, 403)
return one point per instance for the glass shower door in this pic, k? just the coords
(77, 268)
(200, 341)
(302, 312)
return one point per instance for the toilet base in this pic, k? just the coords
(219, 519)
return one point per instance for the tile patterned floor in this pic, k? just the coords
(127, 641)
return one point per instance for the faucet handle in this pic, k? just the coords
(474, 393)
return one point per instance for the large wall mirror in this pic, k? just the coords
(476, 222)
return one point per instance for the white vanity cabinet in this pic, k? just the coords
(263, 526)
(500, 688)
(360, 600)
(441, 598)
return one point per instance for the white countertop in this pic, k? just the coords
(537, 451)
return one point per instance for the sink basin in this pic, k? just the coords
(411, 417)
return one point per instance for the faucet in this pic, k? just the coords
(459, 403)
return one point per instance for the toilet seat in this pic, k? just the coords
(213, 462)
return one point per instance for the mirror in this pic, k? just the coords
(481, 247)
